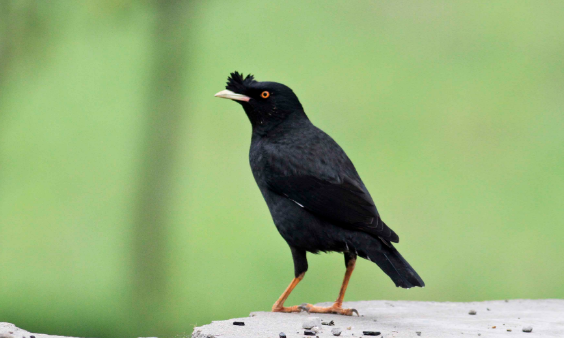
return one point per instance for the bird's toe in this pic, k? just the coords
(331, 309)
(288, 309)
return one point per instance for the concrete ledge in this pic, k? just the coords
(392, 319)
(406, 319)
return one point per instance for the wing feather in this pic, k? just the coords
(344, 203)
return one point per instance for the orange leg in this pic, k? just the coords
(279, 305)
(338, 306)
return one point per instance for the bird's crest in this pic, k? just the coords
(238, 83)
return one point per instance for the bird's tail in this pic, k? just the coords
(395, 266)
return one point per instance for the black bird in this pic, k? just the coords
(316, 198)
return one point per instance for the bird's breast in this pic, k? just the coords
(257, 161)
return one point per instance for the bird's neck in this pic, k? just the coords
(265, 125)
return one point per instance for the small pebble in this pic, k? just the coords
(282, 335)
(309, 333)
(508, 330)
(528, 329)
(331, 323)
(336, 331)
(472, 312)
(418, 333)
(239, 323)
(349, 328)
(371, 333)
(311, 322)
(488, 308)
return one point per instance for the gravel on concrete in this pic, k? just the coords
(336, 331)
(311, 322)
(398, 319)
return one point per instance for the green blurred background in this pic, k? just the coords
(127, 206)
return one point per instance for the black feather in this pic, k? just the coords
(342, 203)
(237, 83)
(395, 266)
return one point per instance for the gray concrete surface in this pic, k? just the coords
(405, 319)
(393, 319)
(8, 330)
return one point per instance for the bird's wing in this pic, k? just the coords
(344, 203)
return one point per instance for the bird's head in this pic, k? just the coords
(266, 103)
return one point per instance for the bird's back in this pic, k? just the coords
(299, 148)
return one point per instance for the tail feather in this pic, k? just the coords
(395, 266)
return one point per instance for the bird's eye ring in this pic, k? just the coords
(265, 94)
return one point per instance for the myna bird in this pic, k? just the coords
(315, 196)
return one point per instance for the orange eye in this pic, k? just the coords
(265, 94)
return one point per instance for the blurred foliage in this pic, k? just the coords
(451, 111)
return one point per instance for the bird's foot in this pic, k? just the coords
(288, 309)
(335, 308)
